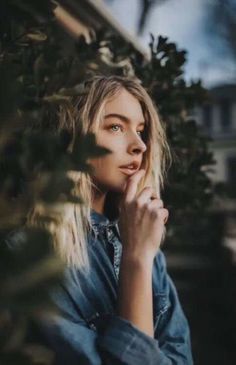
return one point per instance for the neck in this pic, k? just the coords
(98, 201)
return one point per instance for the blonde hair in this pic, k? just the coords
(71, 223)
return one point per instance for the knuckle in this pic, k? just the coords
(164, 214)
(147, 191)
(159, 213)
(158, 203)
(161, 203)
(145, 206)
(138, 204)
(153, 213)
(149, 207)
(156, 213)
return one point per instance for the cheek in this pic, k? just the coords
(102, 166)
(105, 170)
(113, 142)
(99, 162)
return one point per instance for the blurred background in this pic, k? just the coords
(184, 52)
(203, 273)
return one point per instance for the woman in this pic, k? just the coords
(117, 303)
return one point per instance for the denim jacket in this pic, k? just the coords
(88, 331)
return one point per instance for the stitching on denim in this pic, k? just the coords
(128, 347)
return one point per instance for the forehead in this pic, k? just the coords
(126, 104)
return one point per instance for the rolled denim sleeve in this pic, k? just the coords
(129, 345)
(171, 345)
(121, 344)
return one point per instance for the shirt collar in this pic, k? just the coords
(99, 219)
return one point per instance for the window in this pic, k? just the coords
(207, 118)
(225, 115)
(231, 170)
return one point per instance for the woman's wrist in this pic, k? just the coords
(135, 290)
(135, 259)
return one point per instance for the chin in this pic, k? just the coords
(112, 185)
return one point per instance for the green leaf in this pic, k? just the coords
(37, 36)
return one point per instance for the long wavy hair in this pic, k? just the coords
(70, 223)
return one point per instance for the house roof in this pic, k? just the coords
(223, 92)
(95, 14)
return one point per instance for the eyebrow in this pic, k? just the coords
(121, 117)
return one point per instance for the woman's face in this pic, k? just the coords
(121, 132)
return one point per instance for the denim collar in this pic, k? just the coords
(101, 220)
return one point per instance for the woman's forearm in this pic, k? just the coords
(135, 301)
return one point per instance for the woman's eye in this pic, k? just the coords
(141, 133)
(118, 127)
(115, 127)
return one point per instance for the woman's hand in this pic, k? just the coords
(141, 223)
(142, 220)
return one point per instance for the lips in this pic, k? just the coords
(130, 168)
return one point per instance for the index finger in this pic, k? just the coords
(132, 185)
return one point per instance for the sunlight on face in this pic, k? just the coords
(121, 132)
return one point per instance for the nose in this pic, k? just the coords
(136, 145)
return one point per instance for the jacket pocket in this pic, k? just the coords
(161, 304)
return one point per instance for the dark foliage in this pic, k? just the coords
(41, 67)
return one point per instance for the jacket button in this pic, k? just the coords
(92, 326)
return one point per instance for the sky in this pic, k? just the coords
(183, 22)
